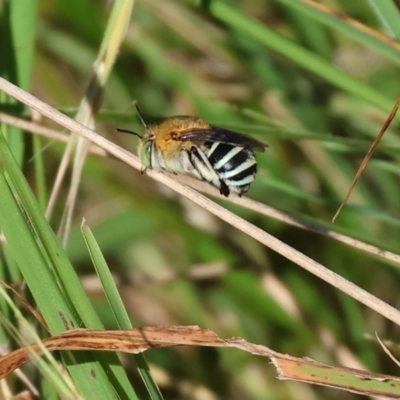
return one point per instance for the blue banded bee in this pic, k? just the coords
(190, 146)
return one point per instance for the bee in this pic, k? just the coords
(190, 146)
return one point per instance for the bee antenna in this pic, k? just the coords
(128, 131)
(140, 115)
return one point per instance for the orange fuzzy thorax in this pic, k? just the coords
(168, 132)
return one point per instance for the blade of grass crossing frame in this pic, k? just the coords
(115, 31)
(17, 30)
(106, 278)
(389, 15)
(117, 306)
(53, 303)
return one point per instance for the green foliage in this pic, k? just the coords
(314, 87)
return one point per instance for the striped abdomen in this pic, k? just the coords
(235, 165)
(228, 167)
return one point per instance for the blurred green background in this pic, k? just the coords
(318, 93)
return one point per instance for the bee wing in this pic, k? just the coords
(215, 134)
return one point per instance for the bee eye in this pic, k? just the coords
(145, 154)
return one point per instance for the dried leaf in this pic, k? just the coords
(349, 379)
(142, 339)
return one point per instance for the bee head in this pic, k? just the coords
(145, 145)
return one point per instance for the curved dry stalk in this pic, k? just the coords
(37, 129)
(62, 169)
(33, 127)
(386, 350)
(278, 215)
(88, 107)
(316, 228)
(263, 237)
(41, 130)
(116, 28)
(368, 156)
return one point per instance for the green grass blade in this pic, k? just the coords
(31, 261)
(52, 302)
(65, 271)
(117, 305)
(18, 32)
(44, 289)
(389, 15)
(23, 19)
(102, 270)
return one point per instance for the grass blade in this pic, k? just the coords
(117, 306)
(52, 301)
(389, 15)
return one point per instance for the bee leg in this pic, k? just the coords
(223, 189)
(143, 170)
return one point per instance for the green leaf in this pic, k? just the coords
(117, 306)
